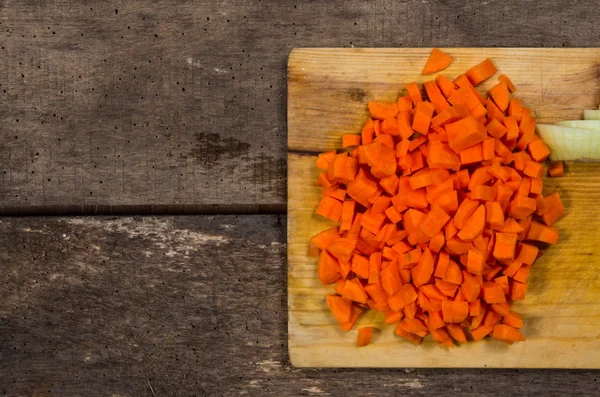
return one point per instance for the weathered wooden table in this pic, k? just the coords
(171, 115)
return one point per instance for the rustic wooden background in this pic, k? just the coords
(178, 107)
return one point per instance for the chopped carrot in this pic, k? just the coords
(414, 92)
(513, 319)
(447, 87)
(493, 293)
(481, 72)
(554, 209)
(438, 60)
(539, 232)
(436, 202)
(354, 291)
(364, 336)
(538, 150)
(383, 110)
(351, 140)
(474, 225)
(505, 246)
(500, 95)
(507, 333)
(511, 87)
(557, 169)
(464, 133)
(435, 96)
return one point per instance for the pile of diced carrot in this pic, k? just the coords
(440, 210)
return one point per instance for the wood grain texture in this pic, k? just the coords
(97, 88)
(183, 306)
(562, 309)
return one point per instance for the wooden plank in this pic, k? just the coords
(181, 306)
(562, 314)
(98, 65)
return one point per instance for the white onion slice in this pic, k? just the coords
(568, 143)
(584, 124)
(591, 114)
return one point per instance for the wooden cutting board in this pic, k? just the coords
(328, 90)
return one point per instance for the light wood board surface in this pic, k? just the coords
(327, 94)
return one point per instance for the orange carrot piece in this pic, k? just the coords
(342, 168)
(509, 84)
(554, 209)
(405, 103)
(496, 129)
(556, 169)
(493, 293)
(422, 117)
(507, 333)
(383, 110)
(438, 60)
(442, 156)
(422, 272)
(456, 332)
(435, 96)
(474, 225)
(367, 132)
(330, 208)
(475, 262)
(434, 221)
(365, 335)
(481, 332)
(504, 249)
(390, 279)
(518, 291)
(446, 288)
(360, 266)
(456, 246)
(326, 237)
(539, 232)
(348, 208)
(494, 215)
(351, 140)
(405, 295)
(464, 212)
(356, 312)
(471, 155)
(393, 215)
(389, 126)
(404, 121)
(515, 109)
(400, 331)
(502, 309)
(464, 133)
(414, 92)
(481, 72)
(447, 87)
(342, 249)
(323, 159)
(522, 274)
(538, 150)
(493, 112)
(513, 319)
(512, 128)
(453, 273)
(328, 268)
(500, 95)
(354, 291)
(340, 308)
(437, 242)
